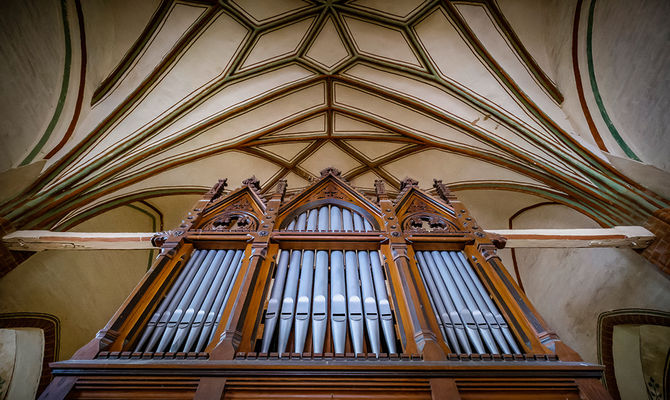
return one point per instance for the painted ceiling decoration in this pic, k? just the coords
(379, 90)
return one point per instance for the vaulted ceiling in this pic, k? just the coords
(282, 89)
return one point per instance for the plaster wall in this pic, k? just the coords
(571, 287)
(82, 288)
(631, 66)
(33, 54)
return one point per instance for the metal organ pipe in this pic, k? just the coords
(189, 309)
(275, 299)
(184, 319)
(185, 300)
(453, 285)
(330, 218)
(354, 301)
(214, 315)
(338, 307)
(311, 220)
(347, 220)
(209, 292)
(319, 306)
(324, 224)
(359, 226)
(304, 300)
(369, 301)
(383, 301)
(358, 299)
(470, 303)
(168, 304)
(288, 302)
(443, 318)
(464, 312)
(335, 218)
(443, 293)
(489, 305)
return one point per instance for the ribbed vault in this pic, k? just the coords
(379, 90)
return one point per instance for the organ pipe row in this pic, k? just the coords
(188, 316)
(330, 218)
(357, 298)
(469, 320)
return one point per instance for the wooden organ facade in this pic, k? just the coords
(327, 294)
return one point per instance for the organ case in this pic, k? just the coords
(329, 293)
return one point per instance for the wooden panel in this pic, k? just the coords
(328, 388)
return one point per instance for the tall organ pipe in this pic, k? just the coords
(470, 303)
(491, 324)
(288, 302)
(354, 301)
(337, 301)
(462, 308)
(304, 299)
(441, 312)
(443, 293)
(206, 305)
(319, 307)
(275, 300)
(199, 292)
(184, 301)
(228, 285)
(383, 301)
(171, 299)
(489, 303)
(369, 301)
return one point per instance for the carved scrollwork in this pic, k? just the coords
(330, 191)
(237, 221)
(426, 222)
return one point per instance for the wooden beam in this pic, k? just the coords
(48, 240)
(635, 237)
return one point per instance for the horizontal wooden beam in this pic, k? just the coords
(48, 240)
(635, 237)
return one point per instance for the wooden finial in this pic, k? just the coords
(216, 190)
(442, 190)
(380, 190)
(408, 183)
(252, 182)
(280, 189)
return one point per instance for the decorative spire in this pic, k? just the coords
(405, 186)
(331, 171)
(217, 190)
(380, 190)
(442, 190)
(252, 182)
(280, 189)
(408, 183)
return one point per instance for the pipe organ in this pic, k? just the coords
(328, 292)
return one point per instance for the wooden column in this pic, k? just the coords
(424, 338)
(248, 298)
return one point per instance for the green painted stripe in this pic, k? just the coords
(596, 92)
(63, 89)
